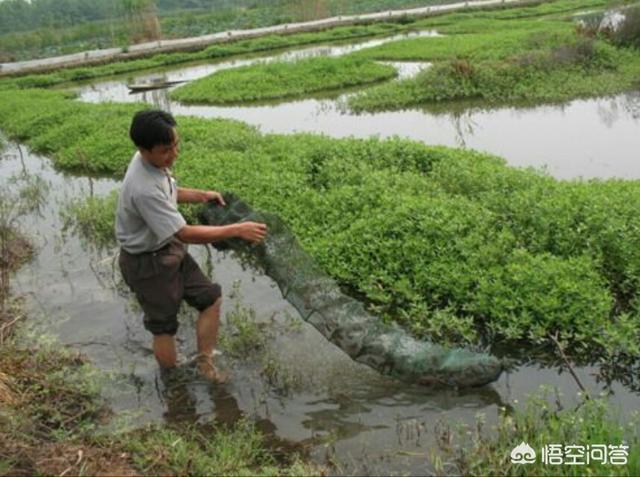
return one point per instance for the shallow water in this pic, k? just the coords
(315, 394)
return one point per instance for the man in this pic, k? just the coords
(152, 233)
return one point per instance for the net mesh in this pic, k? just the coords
(341, 319)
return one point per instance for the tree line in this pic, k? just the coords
(24, 15)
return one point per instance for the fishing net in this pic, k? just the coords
(341, 319)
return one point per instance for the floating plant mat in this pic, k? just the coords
(341, 319)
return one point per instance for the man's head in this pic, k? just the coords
(154, 134)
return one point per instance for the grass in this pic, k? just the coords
(478, 452)
(502, 57)
(199, 451)
(497, 44)
(86, 217)
(282, 80)
(245, 337)
(452, 244)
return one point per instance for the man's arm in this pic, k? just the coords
(190, 196)
(250, 231)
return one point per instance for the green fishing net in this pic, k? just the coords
(341, 319)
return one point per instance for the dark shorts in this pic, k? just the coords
(161, 280)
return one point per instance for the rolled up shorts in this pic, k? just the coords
(161, 280)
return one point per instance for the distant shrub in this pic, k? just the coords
(628, 32)
(580, 52)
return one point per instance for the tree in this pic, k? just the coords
(143, 19)
(307, 10)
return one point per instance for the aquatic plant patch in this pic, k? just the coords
(282, 79)
(561, 74)
(502, 41)
(501, 59)
(450, 243)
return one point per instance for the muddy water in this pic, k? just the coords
(312, 393)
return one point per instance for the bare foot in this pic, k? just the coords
(208, 370)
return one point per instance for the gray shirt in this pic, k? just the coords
(147, 216)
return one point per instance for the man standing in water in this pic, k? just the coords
(152, 233)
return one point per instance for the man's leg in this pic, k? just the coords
(164, 349)
(207, 337)
(207, 328)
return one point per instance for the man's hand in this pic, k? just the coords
(252, 231)
(213, 195)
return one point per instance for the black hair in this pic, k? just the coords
(152, 127)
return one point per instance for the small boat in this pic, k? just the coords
(150, 85)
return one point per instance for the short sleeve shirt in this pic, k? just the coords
(147, 216)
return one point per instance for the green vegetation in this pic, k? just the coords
(245, 336)
(453, 244)
(193, 451)
(540, 424)
(282, 79)
(628, 33)
(503, 57)
(86, 217)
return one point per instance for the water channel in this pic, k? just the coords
(314, 394)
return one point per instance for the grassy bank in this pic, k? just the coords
(481, 451)
(282, 79)
(538, 55)
(453, 244)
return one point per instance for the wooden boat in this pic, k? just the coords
(151, 85)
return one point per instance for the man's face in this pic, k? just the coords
(164, 155)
